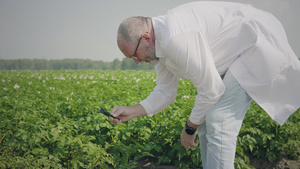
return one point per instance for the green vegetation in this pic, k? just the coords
(50, 119)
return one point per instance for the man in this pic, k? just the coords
(231, 52)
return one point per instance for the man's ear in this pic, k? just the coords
(146, 36)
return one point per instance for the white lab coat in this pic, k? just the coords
(200, 41)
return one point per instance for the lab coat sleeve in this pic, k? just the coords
(191, 53)
(163, 94)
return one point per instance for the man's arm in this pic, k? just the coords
(191, 53)
(164, 93)
(162, 96)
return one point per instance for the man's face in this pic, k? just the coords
(142, 51)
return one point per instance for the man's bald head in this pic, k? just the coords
(137, 33)
(131, 29)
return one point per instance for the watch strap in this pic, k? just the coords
(189, 130)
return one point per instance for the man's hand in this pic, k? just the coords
(127, 113)
(188, 141)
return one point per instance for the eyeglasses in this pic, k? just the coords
(133, 56)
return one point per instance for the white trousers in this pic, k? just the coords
(219, 132)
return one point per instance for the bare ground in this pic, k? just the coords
(278, 164)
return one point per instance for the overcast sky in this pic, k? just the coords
(58, 29)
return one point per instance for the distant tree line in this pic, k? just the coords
(71, 64)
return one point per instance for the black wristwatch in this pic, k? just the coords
(189, 130)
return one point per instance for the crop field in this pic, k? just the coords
(51, 119)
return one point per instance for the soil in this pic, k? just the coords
(282, 163)
(258, 163)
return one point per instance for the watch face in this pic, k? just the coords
(189, 131)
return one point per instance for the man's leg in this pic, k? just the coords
(222, 125)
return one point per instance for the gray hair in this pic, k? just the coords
(132, 28)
